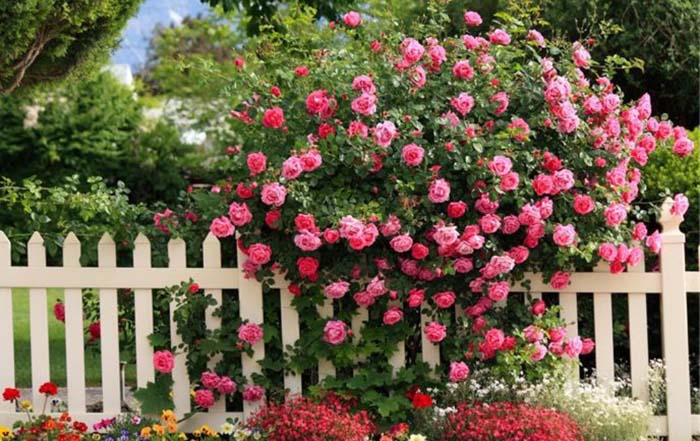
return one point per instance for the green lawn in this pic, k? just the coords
(57, 344)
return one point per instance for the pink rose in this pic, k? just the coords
(490, 223)
(226, 386)
(204, 398)
(463, 103)
(250, 333)
(352, 19)
(412, 154)
(292, 168)
(257, 162)
(472, 18)
(510, 224)
(573, 347)
(336, 290)
(543, 184)
(273, 118)
(563, 179)
(615, 214)
(253, 393)
(499, 36)
(163, 361)
(607, 251)
(418, 76)
(415, 297)
(556, 335)
(539, 352)
(533, 334)
(680, 205)
(363, 83)
(683, 147)
(259, 253)
(639, 232)
(331, 235)
(536, 37)
(307, 267)
(357, 128)
(494, 339)
(435, 332)
(209, 380)
(392, 316)
(273, 194)
(412, 50)
(564, 235)
(239, 214)
(401, 243)
(455, 210)
(463, 70)
(519, 254)
(500, 165)
(635, 256)
(446, 235)
(459, 371)
(581, 56)
(439, 191)
(384, 133)
(463, 265)
(222, 227)
(335, 332)
(311, 160)
(317, 102)
(444, 299)
(653, 242)
(307, 241)
(560, 280)
(500, 98)
(538, 307)
(587, 346)
(498, 291)
(583, 204)
(365, 104)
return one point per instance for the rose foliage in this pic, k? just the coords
(406, 174)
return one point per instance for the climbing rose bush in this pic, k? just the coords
(405, 174)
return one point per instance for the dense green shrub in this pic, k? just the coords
(95, 128)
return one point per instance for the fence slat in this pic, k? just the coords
(603, 325)
(211, 249)
(430, 351)
(7, 342)
(75, 356)
(325, 367)
(251, 308)
(109, 330)
(290, 333)
(639, 340)
(569, 313)
(143, 316)
(177, 258)
(39, 322)
(358, 322)
(674, 325)
(398, 358)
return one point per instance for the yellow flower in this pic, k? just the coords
(182, 436)
(206, 430)
(197, 433)
(146, 432)
(5, 432)
(96, 436)
(158, 429)
(172, 427)
(25, 405)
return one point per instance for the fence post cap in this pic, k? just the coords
(71, 239)
(670, 222)
(36, 239)
(141, 239)
(106, 240)
(3, 238)
(211, 238)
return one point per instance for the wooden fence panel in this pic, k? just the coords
(211, 258)
(7, 337)
(177, 258)
(109, 330)
(143, 316)
(38, 321)
(75, 359)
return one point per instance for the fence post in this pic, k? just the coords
(7, 339)
(674, 318)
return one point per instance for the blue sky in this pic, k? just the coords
(134, 44)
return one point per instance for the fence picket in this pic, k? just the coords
(603, 325)
(109, 330)
(430, 351)
(290, 332)
(398, 358)
(325, 367)
(639, 340)
(211, 253)
(358, 322)
(39, 321)
(251, 309)
(7, 339)
(569, 313)
(75, 359)
(143, 316)
(177, 258)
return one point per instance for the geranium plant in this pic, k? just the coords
(409, 173)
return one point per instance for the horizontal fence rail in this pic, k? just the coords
(672, 284)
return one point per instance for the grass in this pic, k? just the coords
(57, 344)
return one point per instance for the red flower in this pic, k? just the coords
(193, 288)
(48, 388)
(421, 400)
(80, 427)
(10, 394)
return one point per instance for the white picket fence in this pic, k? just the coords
(672, 283)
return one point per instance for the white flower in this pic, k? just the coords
(227, 428)
(417, 437)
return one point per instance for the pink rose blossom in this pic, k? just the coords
(498, 291)
(392, 316)
(683, 147)
(439, 191)
(401, 243)
(317, 102)
(239, 214)
(499, 36)
(615, 214)
(363, 83)
(365, 104)
(500, 98)
(536, 37)
(336, 290)
(412, 154)
(607, 251)
(583, 204)
(680, 205)
(222, 227)
(273, 118)
(259, 253)
(463, 265)
(538, 307)
(533, 334)
(253, 393)
(472, 18)
(273, 194)
(539, 352)
(384, 133)
(560, 280)
(204, 398)
(257, 162)
(463, 70)
(556, 335)
(444, 299)
(412, 50)
(435, 332)
(226, 386)
(352, 19)
(209, 380)
(573, 347)
(564, 235)
(250, 333)
(653, 242)
(500, 165)
(463, 103)
(163, 361)
(311, 160)
(307, 241)
(494, 339)
(459, 371)
(335, 332)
